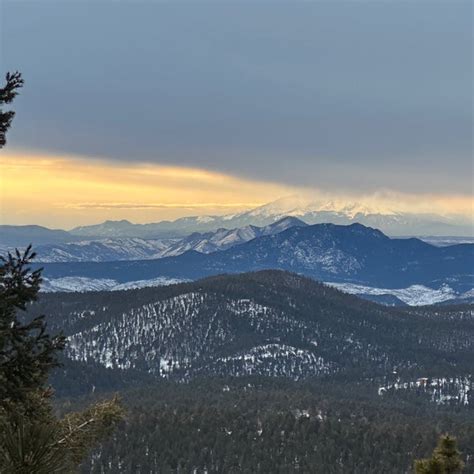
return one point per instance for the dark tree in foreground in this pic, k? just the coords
(27, 352)
(32, 439)
(14, 81)
(446, 459)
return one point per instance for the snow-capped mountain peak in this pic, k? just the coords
(299, 206)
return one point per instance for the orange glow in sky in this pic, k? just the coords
(69, 191)
(65, 191)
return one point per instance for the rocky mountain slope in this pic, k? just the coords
(342, 254)
(134, 248)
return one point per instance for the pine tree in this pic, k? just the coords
(14, 81)
(446, 459)
(27, 352)
(32, 439)
(449, 455)
(429, 466)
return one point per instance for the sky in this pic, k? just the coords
(150, 110)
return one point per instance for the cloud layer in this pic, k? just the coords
(348, 97)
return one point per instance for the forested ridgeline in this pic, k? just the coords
(266, 323)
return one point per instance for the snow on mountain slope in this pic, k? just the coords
(326, 252)
(311, 211)
(299, 206)
(171, 335)
(344, 212)
(81, 284)
(223, 239)
(442, 391)
(272, 360)
(446, 241)
(105, 250)
(115, 249)
(415, 295)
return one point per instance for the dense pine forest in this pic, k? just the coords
(256, 424)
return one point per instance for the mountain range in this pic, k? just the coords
(355, 258)
(134, 248)
(309, 211)
(352, 254)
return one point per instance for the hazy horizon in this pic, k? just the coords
(292, 205)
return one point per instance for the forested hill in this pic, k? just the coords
(266, 323)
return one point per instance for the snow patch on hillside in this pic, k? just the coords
(415, 295)
(82, 284)
(441, 390)
(275, 360)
